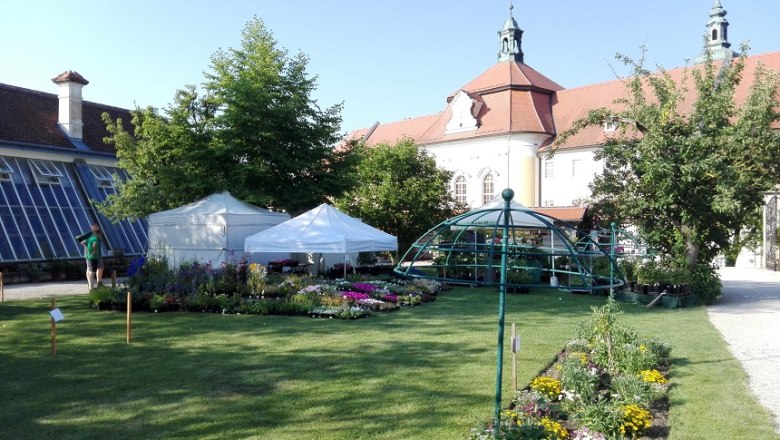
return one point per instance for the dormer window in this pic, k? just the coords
(104, 177)
(5, 170)
(464, 113)
(46, 173)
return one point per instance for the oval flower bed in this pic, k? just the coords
(606, 384)
(248, 288)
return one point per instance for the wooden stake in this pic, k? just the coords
(53, 332)
(514, 357)
(113, 279)
(129, 316)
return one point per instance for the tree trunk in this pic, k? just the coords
(692, 247)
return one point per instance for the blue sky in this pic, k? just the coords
(384, 59)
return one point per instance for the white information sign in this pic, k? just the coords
(56, 315)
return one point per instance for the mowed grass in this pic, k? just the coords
(424, 372)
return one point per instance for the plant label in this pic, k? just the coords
(56, 315)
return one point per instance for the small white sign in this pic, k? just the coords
(515, 344)
(56, 315)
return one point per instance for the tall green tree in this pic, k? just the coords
(401, 191)
(689, 175)
(253, 129)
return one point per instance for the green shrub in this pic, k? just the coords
(706, 283)
(601, 416)
(632, 389)
(105, 295)
(579, 382)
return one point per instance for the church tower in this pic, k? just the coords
(717, 35)
(510, 38)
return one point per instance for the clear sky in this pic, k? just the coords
(386, 60)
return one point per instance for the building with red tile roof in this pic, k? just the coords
(496, 130)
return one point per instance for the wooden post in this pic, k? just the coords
(514, 357)
(129, 316)
(113, 279)
(53, 332)
(2, 288)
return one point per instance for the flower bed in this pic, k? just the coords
(608, 383)
(250, 289)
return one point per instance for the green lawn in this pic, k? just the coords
(425, 372)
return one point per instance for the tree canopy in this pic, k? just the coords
(401, 191)
(690, 176)
(252, 129)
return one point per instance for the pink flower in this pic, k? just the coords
(354, 296)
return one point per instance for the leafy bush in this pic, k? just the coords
(104, 295)
(706, 283)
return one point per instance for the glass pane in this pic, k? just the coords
(60, 234)
(26, 235)
(48, 195)
(13, 236)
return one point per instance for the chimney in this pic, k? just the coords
(69, 94)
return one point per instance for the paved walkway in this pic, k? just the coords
(748, 318)
(747, 315)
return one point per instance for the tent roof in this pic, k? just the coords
(322, 229)
(215, 206)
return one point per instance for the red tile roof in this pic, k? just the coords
(508, 73)
(564, 214)
(30, 117)
(517, 98)
(574, 104)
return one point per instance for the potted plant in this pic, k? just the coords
(516, 281)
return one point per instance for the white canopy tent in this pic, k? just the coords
(211, 229)
(324, 230)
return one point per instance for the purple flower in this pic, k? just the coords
(364, 287)
(390, 297)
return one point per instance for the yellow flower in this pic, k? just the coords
(553, 429)
(635, 420)
(652, 376)
(548, 386)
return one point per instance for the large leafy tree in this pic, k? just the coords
(401, 191)
(689, 175)
(253, 130)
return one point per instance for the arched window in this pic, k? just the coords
(460, 189)
(714, 34)
(487, 188)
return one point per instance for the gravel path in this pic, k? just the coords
(46, 290)
(748, 318)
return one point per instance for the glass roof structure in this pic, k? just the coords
(539, 250)
(44, 204)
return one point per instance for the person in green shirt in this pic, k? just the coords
(92, 255)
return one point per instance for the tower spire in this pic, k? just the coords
(717, 35)
(509, 39)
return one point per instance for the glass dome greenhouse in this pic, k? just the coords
(539, 251)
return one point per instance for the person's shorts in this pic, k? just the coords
(93, 265)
